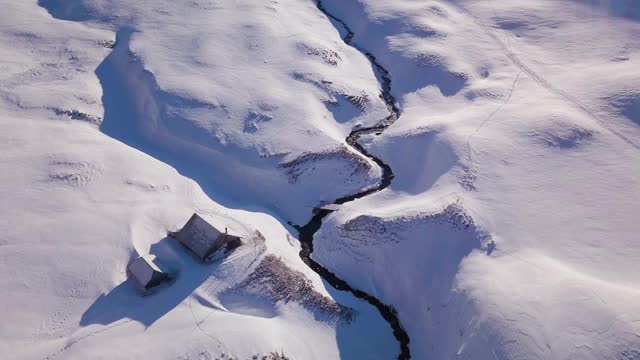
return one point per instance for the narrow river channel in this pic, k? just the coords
(307, 231)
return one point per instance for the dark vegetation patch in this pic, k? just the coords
(375, 230)
(330, 57)
(308, 162)
(78, 115)
(273, 280)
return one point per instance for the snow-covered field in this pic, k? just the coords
(510, 230)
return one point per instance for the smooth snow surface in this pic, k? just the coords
(510, 230)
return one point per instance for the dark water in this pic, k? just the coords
(307, 231)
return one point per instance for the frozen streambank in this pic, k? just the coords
(122, 71)
(308, 230)
(479, 132)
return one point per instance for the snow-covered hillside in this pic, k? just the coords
(96, 151)
(263, 94)
(510, 229)
(507, 231)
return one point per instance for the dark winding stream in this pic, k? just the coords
(307, 231)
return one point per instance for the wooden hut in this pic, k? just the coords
(145, 273)
(204, 239)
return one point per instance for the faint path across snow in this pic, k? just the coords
(241, 263)
(506, 49)
(483, 123)
(86, 336)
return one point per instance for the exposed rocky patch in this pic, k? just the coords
(206, 355)
(147, 186)
(206, 5)
(345, 107)
(109, 44)
(79, 115)
(309, 161)
(468, 178)
(438, 11)
(253, 120)
(375, 231)
(360, 101)
(330, 57)
(73, 173)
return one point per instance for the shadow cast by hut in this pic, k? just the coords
(126, 301)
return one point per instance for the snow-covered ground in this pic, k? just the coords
(81, 195)
(261, 93)
(509, 231)
(519, 126)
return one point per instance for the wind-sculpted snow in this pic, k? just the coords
(484, 207)
(627, 104)
(419, 158)
(413, 260)
(36, 62)
(524, 114)
(305, 166)
(85, 115)
(175, 128)
(405, 40)
(74, 173)
(233, 106)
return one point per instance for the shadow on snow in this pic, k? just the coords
(125, 300)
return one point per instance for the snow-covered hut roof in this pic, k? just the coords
(145, 272)
(201, 237)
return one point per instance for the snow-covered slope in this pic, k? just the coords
(78, 205)
(509, 231)
(261, 93)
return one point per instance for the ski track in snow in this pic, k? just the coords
(506, 49)
(475, 132)
(214, 280)
(198, 323)
(218, 282)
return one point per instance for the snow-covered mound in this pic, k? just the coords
(428, 248)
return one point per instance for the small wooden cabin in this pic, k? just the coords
(204, 239)
(145, 273)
